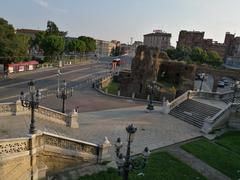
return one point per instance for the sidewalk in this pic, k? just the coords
(196, 163)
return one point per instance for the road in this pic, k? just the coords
(77, 76)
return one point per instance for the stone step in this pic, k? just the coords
(194, 112)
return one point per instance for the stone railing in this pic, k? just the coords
(15, 145)
(19, 156)
(70, 120)
(179, 100)
(7, 108)
(218, 121)
(212, 95)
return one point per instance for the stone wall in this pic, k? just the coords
(149, 65)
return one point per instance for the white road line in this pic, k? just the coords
(47, 77)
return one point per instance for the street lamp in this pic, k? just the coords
(31, 102)
(202, 77)
(236, 86)
(64, 94)
(127, 163)
(150, 105)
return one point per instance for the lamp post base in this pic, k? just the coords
(150, 107)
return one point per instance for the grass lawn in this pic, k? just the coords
(112, 88)
(161, 165)
(216, 156)
(230, 140)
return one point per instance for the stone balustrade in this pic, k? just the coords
(14, 145)
(70, 120)
(179, 100)
(31, 154)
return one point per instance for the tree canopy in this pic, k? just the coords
(11, 44)
(197, 55)
(75, 45)
(89, 42)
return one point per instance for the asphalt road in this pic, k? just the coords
(10, 89)
(76, 76)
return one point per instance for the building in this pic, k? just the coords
(28, 32)
(158, 39)
(104, 48)
(196, 39)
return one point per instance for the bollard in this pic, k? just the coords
(133, 95)
(106, 90)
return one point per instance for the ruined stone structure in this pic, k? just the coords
(150, 65)
(230, 47)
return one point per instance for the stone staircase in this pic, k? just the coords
(76, 172)
(229, 100)
(194, 112)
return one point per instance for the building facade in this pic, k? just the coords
(196, 39)
(158, 39)
(104, 48)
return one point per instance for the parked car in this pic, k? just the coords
(225, 81)
(221, 84)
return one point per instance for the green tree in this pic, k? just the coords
(199, 55)
(214, 59)
(11, 44)
(180, 53)
(75, 45)
(89, 42)
(52, 29)
(52, 46)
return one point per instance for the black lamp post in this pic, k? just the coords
(150, 105)
(31, 102)
(127, 163)
(202, 76)
(64, 94)
(236, 85)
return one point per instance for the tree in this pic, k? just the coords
(11, 44)
(89, 42)
(52, 29)
(180, 53)
(52, 45)
(199, 55)
(214, 59)
(75, 45)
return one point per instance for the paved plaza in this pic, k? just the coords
(154, 129)
(88, 99)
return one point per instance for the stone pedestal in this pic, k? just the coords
(119, 93)
(104, 154)
(73, 120)
(133, 95)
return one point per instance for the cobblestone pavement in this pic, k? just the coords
(154, 129)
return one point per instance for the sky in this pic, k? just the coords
(123, 19)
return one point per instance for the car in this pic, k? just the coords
(225, 82)
(221, 84)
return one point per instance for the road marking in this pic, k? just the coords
(53, 86)
(47, 77)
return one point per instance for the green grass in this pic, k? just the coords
(161, 165)
(216, 156)
(230, 140)
(112, 88)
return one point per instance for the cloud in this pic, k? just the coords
(42, 3)
(45, 4)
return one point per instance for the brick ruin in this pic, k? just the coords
(149, 64)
